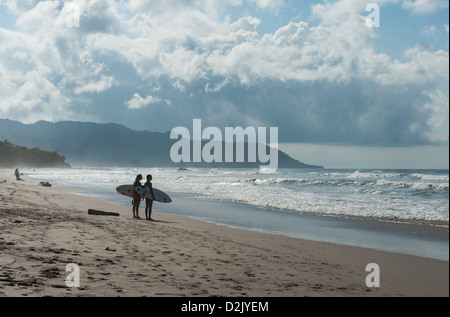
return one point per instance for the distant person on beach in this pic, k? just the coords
(17, 173)
(136, 197)
(148, 201)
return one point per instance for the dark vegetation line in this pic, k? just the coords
(14, 155)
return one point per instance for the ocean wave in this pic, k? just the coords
(260, 181)
(359, 174)
(360, 193)
(414, 185)
(310, 181)
(435, 186)
(444, 178)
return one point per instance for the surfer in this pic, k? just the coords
(136, 197)
(17, 173)
(148, 201)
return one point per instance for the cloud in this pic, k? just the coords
(430, 30)
(33, 90)
(44, 61)
(320, 80)
(268, 4)
(103, 84)
(424, 6)
(209, 6)
(438, 121)
(18, 6)
(424, 69)
(137, 102)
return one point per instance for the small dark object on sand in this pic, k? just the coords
(102, 213)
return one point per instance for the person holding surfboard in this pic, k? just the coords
(148, 201)
(136, 197)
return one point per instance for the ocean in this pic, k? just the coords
(332, 205)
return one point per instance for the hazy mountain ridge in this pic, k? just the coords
(110, 144)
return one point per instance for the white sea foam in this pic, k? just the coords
(369, 193)
(444, 178)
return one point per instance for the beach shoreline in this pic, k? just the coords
(43, 229)
(424, 239)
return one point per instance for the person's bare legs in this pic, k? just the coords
(148, 209)
(136, 208)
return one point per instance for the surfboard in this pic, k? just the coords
(128, 190)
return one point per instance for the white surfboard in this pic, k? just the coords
(128, 190)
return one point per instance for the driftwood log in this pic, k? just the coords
(102, 213)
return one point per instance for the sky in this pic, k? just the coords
(342, 93)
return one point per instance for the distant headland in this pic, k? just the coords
(12, 155)
(110, 144)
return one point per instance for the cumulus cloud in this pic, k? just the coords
(43, 51)
(33, 90)
(322, 81)
(18, 6)
(430, 30)
(438, 121)
(268, 4)
(103, 84)
(424, 6)
(137, 102)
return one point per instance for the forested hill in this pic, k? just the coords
(110, 144)
(12, 155)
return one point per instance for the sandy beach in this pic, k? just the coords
(43, 229)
